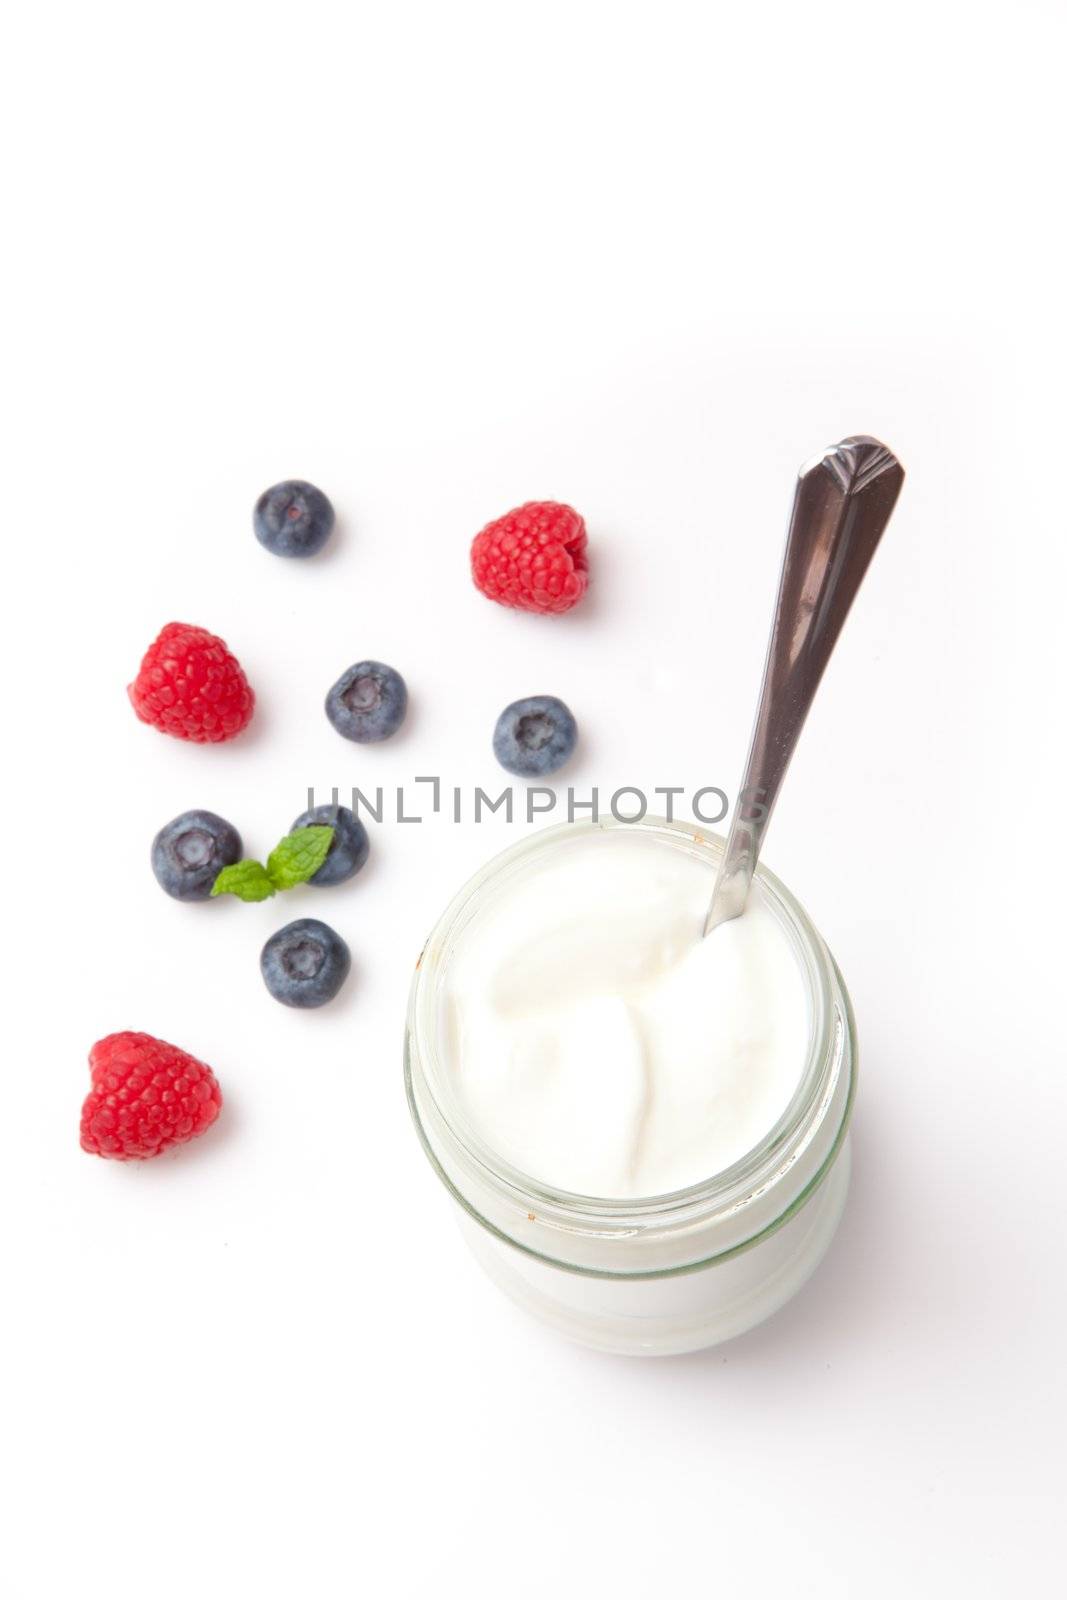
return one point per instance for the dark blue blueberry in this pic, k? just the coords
(293, 519)
(368, 702)
(190, 852)
(349, 848)
(535, 736)
(305, 963)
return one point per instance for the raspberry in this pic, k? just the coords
(146, 1097)
(191, 686)
(533, 558)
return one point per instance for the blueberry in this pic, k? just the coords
(190, 852)
(305, 963)
(368, 702)
(293, 519)
(349, 848)
(535, 736)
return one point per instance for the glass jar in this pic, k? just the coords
(671, 1272)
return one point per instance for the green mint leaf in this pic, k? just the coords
(298, 856)
(248, 880)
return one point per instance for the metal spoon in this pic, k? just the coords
(843, 501)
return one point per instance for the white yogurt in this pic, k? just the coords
(595, 1041)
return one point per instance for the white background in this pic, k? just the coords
(441, 259)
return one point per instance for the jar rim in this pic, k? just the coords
(721, 1193)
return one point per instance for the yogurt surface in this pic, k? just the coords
(597, 1042)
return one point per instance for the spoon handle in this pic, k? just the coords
(843, 501)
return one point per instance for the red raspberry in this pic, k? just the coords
(191, 686)
(146, 1096)
(533, 558)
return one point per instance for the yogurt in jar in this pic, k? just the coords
(644, 1130)
(599, 1043)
